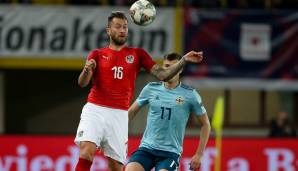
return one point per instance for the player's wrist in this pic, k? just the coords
(184, 60)
(87, 71)
(199, 152)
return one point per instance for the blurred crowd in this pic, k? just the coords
(239, 4)
(281, 126)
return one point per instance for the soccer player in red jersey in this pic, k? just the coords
(113, 71)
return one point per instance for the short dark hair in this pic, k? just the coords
(172, 56)
(116, 14)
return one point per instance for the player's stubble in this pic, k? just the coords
(118, 40)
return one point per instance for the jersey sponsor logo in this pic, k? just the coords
(179, 100)
(105, 57)
(129, 59)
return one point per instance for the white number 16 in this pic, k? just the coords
(118, 72)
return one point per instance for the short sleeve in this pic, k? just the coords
(146, 60)
(143, 98)
(93, 55)
(197, 106)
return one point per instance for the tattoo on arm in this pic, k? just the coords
(84, 78)
(167, 74)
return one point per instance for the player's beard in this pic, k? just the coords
(119, 41)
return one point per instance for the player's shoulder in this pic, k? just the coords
(97, 51)
(103, 49)
(135, 49)
(93, 54)
(186, 87)
(132, 48)
(153, 84)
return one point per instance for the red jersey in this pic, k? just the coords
(115, 74)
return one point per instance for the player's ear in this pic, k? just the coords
(108, 30)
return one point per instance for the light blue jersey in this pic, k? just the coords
(168, 113)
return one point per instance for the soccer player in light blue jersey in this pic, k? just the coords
(170, 104)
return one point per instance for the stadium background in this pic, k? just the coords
(250, 52)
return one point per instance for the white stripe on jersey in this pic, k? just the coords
(172, 163)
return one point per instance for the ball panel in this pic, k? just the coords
(142, 12)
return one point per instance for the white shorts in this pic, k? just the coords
(107, 128)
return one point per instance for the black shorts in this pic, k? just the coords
(150, 158)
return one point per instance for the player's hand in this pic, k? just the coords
(89, 66)
(193, 56)
(195, 162)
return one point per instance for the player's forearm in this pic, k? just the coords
(167, 74)
(84, 78)
(131, 115)
(133, 110)
(204, 136)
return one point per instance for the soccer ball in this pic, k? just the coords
(142, 12)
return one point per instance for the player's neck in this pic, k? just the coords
(172, 85)
(116, 47)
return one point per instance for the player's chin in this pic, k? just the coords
(121, 40)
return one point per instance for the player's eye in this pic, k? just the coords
(117, 26)
(167, 65)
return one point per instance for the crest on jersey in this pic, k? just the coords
(129, 59)
(179, 100)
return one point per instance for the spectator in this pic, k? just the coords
(281, 126)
